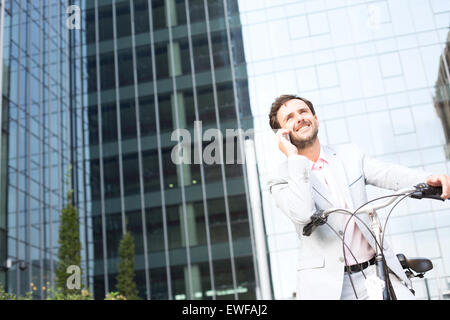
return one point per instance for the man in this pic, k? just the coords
(317, 177)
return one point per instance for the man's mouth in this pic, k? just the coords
(303, 127)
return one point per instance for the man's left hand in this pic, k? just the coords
(440, 180)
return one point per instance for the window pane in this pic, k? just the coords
(141, 22)
(105, 23)
(144, 61)
(109, 123)
(150, 165)
(159, 14)
(107, 71)
(123, 19)
(128, 119)
(125, 57)
(111, 177)
(147, 116)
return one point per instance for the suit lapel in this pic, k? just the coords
(340, 177)
(338, 170)
(321, 194)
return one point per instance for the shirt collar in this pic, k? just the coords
(323, 159)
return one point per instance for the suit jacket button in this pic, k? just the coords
(341, 259)
(341, 233)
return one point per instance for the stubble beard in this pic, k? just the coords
(305, 143)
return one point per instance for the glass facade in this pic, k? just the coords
(94, 110)
(442, 95)
(35, 145)
(371, 68)
(4, 137)
(152, 67)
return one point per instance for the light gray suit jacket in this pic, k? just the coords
(299, 193)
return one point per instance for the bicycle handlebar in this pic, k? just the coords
(426, 191)
(419, 191)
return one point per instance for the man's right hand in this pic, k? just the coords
(284, 144)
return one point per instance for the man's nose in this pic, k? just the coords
(298, 118)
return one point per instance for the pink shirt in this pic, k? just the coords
(354, 238)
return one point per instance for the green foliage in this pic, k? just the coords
(27, 296)
(5, 295)
(115, 296)
(125, 279)
(11, 296)
(58, 294)
(69, 252)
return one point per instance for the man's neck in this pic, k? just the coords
(312, 152)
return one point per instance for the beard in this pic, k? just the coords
(304, 142)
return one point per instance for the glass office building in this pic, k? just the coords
(4, 136)
(35, 144)
(150, 70)
(371, 68)
(94, 109)
(442, 95)
(103, 103)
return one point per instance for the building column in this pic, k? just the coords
(184, 176)
(3, 157)
(171, 13)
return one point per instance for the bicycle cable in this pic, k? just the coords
(339, 236)
(345, 211)
(344, 244)
(384, 227)
(354, 214)
(390, 212)
(380, 245)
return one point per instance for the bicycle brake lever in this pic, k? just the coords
(317, 219)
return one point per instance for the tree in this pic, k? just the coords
(125, 278)
(69, 252)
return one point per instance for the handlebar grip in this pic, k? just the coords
(435, 197)
(317, 219)
(308, 229)
(424, 190)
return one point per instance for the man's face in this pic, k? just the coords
(303, 126)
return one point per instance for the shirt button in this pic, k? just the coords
(341, 259)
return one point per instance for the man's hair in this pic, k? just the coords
(276, 105)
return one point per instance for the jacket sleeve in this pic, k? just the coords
(292, 193)
(390, 176)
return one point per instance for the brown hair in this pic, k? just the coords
(276, 105)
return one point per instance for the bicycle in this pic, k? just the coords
(415, 267)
